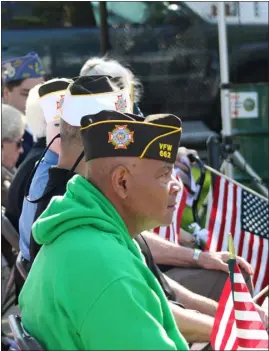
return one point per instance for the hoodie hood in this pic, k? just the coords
(82, 205)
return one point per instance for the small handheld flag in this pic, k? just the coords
(237, 325)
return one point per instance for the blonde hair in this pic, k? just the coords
(106, 66)
(34, 114)
(13, 123)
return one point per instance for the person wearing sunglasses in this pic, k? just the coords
(11, 145)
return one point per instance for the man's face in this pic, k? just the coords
(18, 95)
(152, 191)
(11, 150)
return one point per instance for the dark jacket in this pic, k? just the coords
(27, 146)
(17, 187)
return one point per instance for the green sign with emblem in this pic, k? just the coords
(249, 120)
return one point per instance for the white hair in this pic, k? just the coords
(13, 123)
(110, 67)
(33, 112)
(34, 115)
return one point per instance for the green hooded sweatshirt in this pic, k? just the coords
(89, 287)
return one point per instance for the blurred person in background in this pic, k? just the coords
(19, 76)
(11, 147)
(97, 66)
(13, 125)
(36, 121)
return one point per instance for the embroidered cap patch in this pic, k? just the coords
(121, 137)
(60, 104)
(121, 104)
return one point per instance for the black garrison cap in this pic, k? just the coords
(114, 134)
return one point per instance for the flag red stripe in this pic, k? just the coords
(252, 343)
(241, 243)
(245, 306)
(223, 217)
(240, 287)
(249, 325)
(213, 214)
(222, 305)
(228, 331)
(180, 213)
(260, 250)
(250, 248)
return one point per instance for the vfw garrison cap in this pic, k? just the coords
(89, 95)
(114, 134)
(52, 97)
(19, 68)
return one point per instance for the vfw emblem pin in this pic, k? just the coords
(121, 137)
(121, 104)
(59, 107)
(9, 70)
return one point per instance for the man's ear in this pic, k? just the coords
(5, 94)
(120, 181)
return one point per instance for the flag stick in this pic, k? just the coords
(231, 247)
(260, 294)
(236, 183)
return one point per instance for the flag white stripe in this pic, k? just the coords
(251, 334)
(218, 219)
(209, 201)
(229, 215)
(238, 278)
(162, 232)
(262, 268)
(247, 316)
(172, 233)
(223, 322)
(232, 338)
(237, 233)
(242, 297)
(246, 244)
(255, 250)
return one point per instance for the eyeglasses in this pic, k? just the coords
(18, 142)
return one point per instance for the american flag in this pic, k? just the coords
(237, 324)
(172, 233)
(246, 215)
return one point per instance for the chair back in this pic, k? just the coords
(24, 340)
(22, 266)
(8, 231)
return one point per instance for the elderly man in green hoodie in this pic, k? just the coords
(96, 291)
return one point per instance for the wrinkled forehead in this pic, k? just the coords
(148, 167)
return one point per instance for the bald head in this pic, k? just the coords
(100, 171)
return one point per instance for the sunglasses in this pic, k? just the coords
(18, 142)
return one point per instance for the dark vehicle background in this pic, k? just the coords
(171, 48)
